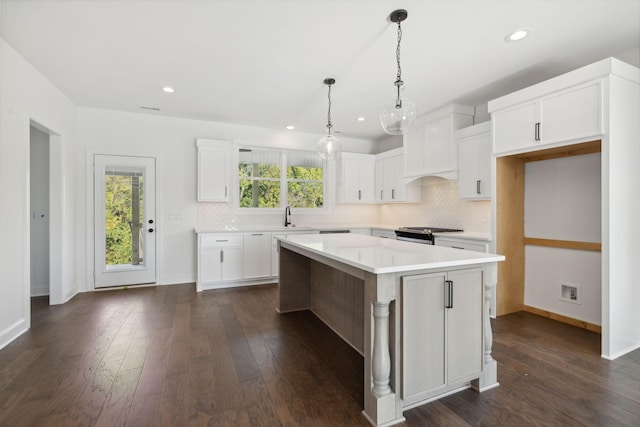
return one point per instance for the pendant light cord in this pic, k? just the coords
(399, 81)
(329, 125)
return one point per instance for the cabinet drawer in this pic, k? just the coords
(462, 244)
(213, 240)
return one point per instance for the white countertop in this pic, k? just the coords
(385, 255)
(472, 235)
(277, 229)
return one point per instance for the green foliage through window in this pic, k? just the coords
(123, 200)
(264, 175)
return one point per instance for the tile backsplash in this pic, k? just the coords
(440, 207)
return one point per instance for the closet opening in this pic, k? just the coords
(548, 225)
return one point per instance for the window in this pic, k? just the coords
(276, 178)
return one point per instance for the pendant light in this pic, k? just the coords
(396, 119)
(329, 146)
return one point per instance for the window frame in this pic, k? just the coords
(284, 180)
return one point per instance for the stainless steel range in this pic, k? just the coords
(421, 234)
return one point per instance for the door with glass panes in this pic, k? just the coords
(124, 219)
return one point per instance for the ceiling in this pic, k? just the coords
(263, 62)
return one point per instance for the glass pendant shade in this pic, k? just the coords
(398, 120)
(329, 148)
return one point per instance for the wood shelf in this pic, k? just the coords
(564, 244)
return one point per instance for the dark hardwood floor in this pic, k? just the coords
(168, 356)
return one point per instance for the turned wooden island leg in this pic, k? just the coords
(381, 359)
(382, 404)
(489, 378)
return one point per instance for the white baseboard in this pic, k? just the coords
(39, 290)
(12, 332)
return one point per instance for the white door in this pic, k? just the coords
(125, 228)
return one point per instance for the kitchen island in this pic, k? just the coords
(418, 314)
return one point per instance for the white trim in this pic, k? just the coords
(12, 332)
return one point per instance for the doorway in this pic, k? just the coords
(39, 212)
(125, 214)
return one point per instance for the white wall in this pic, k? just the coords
(172, 142)
(562, 202)
(26, 96)
(39, 164)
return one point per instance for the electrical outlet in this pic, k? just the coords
(570, 292)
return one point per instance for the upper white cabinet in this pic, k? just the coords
(390, 185)
(474, 151)
(566, 115)
(214, 158)
(430, 147)
(356, 178)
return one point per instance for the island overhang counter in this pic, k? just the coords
(419, 314)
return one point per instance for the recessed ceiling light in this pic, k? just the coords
(360, 119)
(168, 89)
(517, 35)
(290, 127)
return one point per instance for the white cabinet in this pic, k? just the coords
(442, 331)
(219, 259)
(462, 243)
(257, 255)
(475, 151)
(214, 158)
(559, 117)
(390, 186)
(383, 233)
(430, 147)
(356, 177)
(361, 230)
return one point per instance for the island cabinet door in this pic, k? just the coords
(464, 326)
(423, 335)
(441, 332)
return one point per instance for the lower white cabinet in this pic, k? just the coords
(219, 258)
(257, 255)
(461, 243)
(441, 331)
(384, 233)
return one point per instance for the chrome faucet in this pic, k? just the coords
(287, 216)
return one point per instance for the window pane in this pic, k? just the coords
(306, 173)
(305, 194)
(259, 194)
(124, 206)
(259, 170)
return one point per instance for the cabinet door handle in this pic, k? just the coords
(257, 234)
(449, 293)
(225, 191)
(457, 247)
(537, 132)
(393, 194)
(478, 187)
(381, 198)
(221, 255)
(359, 195)
(222, 240)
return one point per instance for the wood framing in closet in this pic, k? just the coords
(510, 230)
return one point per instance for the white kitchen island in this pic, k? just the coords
(418, 314)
